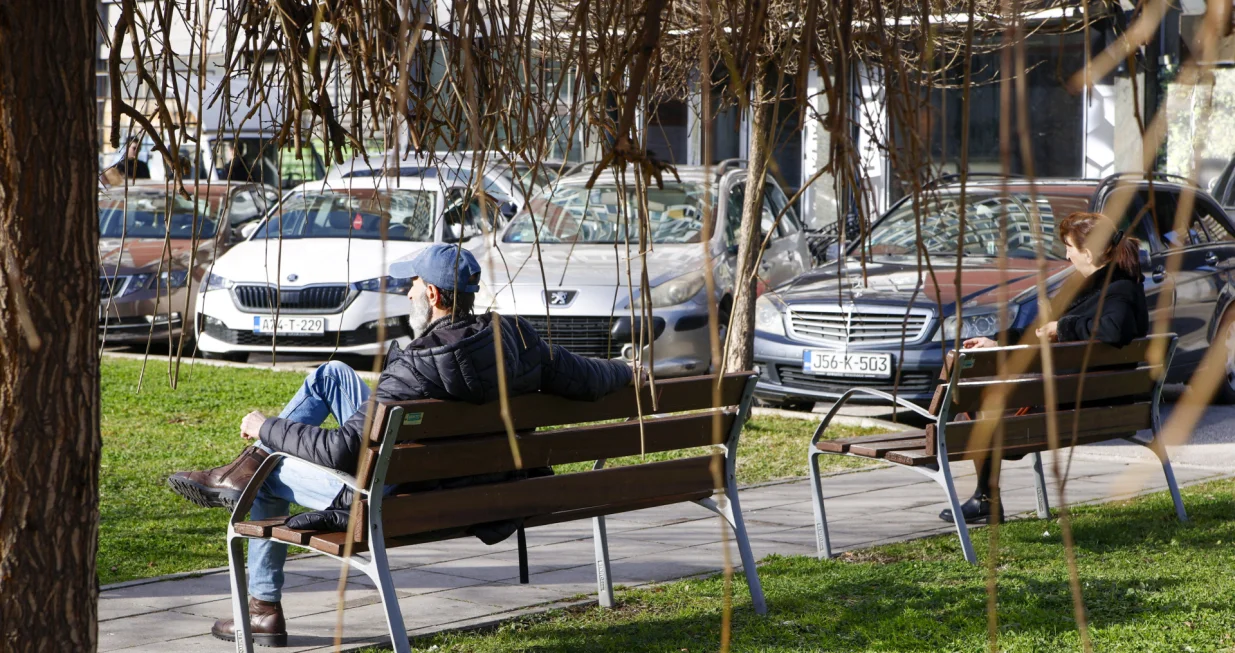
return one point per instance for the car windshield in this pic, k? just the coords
(601, 215)
(524, 172)
(356, 213)
(897, 233)
(144, 214)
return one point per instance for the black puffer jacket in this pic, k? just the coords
(1125, 315)
(456, 361)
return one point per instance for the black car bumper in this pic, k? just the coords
(782, 380)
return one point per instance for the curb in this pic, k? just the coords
(846, 420)
(187, 361)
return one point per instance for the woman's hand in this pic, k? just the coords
(251, 425)
(1050, 331)
(979, 343)
(638, 375)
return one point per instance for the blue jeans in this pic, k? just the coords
(332, 389)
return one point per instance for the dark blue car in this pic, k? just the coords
(884, 315)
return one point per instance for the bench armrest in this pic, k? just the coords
(263, 472)
(900, 401)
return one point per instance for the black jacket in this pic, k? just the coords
(1125, 315)
(456, 361)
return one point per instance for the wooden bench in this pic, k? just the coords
(427, 440)
(1120, 389)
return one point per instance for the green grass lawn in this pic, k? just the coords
(147, 530)
(1149, 583)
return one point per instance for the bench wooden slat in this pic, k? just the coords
(841, 445)
(881, 449)
(915, 458)
(1066, 357)
(1031, 391)
(451, 457)
(442, 509)
(1095, 425)
(439, 419)
(259, 527)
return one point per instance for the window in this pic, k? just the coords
(1207, 221)
(358, 213)
(733, 212)
(789, 221)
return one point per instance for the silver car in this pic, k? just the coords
(578, 291)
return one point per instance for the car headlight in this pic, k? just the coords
(174, 279)
(136, 283)
(675, 291)
(392, 285)
(983, 324)
(770, 315)
(215, 282)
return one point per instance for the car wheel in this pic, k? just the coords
(1226, 334)
(233, 356)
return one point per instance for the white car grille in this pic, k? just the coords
(858, 325)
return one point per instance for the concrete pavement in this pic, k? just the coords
(464, 583)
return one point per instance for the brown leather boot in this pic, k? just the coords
(219, 487)
(265, 620)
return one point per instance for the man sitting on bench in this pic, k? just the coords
(453, 357)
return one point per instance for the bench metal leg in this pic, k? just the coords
(1155, 445)
(821, 518)
(240, 592)
(604, 574)
(732, 510)
(1039, 481)
(378, 570)
(729, 508)
(522, 537)
(944, 478)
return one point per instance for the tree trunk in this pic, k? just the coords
(741, 344)
(49, 368)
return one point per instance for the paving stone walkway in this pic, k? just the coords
(464, 583)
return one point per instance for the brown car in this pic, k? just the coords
(154, 248)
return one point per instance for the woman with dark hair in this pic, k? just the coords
(1109, 263)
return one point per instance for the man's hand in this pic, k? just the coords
(1050, 330)
(251, 425)
(979, 343)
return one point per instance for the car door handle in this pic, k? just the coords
(1211, 258)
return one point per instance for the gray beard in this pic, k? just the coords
(420, 317)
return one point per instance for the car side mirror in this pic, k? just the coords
(508, 209)
(249, 229)
(461, 233)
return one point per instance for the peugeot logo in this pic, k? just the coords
(560, 298)
(293, 277)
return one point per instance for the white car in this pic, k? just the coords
(314, 277)
(577, 291)
(503, 180)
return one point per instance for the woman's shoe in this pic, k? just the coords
(977, 510)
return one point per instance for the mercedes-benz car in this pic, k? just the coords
(880, 317)
(153, 245)
(564, 263)
(314, 278)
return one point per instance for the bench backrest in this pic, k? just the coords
(429, 440)
(1101, 392)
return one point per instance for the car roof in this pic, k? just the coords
(199, 188)
(380, 183)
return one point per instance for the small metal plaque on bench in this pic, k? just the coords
(413, 419)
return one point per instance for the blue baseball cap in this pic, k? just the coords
(448, 267)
